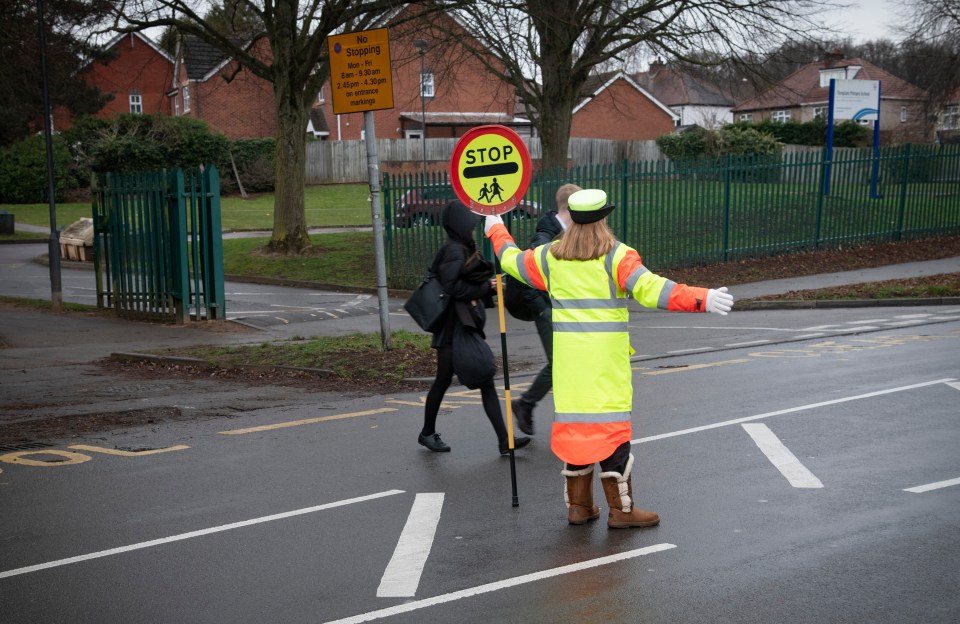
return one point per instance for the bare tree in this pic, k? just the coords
(931, 31)
(296, 66)
(549, 48)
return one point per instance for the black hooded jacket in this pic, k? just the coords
(548, 228)
(462, 271)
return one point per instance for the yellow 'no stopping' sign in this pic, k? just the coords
(490, 169)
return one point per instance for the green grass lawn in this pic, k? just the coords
(328, 205)
(344, 259)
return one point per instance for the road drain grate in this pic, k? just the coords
(26, 446)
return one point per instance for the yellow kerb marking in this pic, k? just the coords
(307, 421)
(20, 458)
(108, 451)
(696, 367)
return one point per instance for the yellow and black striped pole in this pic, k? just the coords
(506, 384)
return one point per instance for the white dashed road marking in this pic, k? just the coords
(402, 576)
(498, 585)
(781, 457)
(932, 486)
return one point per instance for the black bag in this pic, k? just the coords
(515, 298)
(472, 358)
(428, 304)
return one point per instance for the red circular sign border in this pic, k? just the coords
(511, 202)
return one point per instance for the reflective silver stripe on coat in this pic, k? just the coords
(607, 417)
(608, 265)
(665, 294)
(505, 247)
(573, 326)
(522, 270)
(586, 304)
(545, 267)
(635, 277)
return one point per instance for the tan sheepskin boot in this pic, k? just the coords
(618, 490)
(578, 494)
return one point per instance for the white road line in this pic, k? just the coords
(191, 534)
(954, 384)
(781, 457)
(744, 344)
(864, 322)
(402, 576)
(932, 486)
(817, 335)
(498, 585)
(789, 410)
(900, 323)
(690, 350)
(905, 316)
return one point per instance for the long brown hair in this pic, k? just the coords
(585, 241)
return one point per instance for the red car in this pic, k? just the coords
(422, 206)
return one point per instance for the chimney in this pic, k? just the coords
(656, 66)
(830, 58)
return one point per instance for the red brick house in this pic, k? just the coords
(805, 94)
(137, 73)
(619, 109)
(459, 93)
(208, 85)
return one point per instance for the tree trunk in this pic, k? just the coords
(554, 133)
(289, 217)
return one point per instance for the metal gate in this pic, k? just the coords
(158, 246)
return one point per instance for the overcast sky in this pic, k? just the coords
(868, 19)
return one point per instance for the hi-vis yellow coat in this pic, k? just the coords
(592, 380)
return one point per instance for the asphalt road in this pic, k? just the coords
(804, 463)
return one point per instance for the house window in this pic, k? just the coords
(320, 99)
(821, 112)
(136, 103)
(426, 84)
(951, 117)
(780, 116)
(176, 106)
(746, 116)
(186, 98)
(903, 114)
(827, 74)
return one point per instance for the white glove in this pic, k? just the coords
(719, 301)
(491, 220)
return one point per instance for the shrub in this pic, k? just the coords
(23, 171)
(129, 142)
(255, 160)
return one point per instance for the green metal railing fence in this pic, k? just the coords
(158, 247)
(726, 209)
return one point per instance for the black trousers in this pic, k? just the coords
(617, 462)
(488, 395)
(544, 380)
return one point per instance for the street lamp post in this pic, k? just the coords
(422, 47)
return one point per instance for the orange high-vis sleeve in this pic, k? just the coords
(688, 298)
(499, 235)
(529, 259)
(631, 261)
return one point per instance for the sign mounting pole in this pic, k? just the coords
(361, 80)
(490, 171)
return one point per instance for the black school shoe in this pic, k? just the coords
(433, 442)
(518, 442)
(524, 416)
